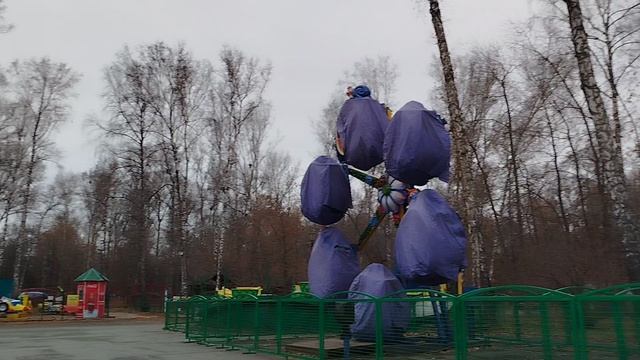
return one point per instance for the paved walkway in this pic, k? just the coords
(100, 340)
(113, 316)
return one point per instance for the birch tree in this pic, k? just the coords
(614, 33)
(130, 132)
(40, 90)
(176, 94)
(236, 103)
(612, 164)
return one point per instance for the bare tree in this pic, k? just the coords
(613, 169)
(379, 74)
(130, 131)
(176, 93)
(325, 126)
(98, 195)
(40, 90)
(614, 34)
(237, 104)
(278, 179)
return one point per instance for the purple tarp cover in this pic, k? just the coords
(417, 147)
(361, 126)
(333, 263)
(325, 192)
(430, 246)
(378, 281)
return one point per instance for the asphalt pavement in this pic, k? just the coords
(104, 340)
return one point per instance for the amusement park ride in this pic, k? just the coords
(415, 147)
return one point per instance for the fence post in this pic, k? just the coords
(577, 321)
(460, 332)
(568, 324)
(379, 329)
(166, 315)
(516, 318)
(619, 325)
(636, 321)
(186, 325)
(176, 309)
(227, 324)
(256, 330)
(205, 322)
(321, 330)
(279, 316)
(546, 335)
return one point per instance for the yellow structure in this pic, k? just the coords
(224, 292)
(12, 306)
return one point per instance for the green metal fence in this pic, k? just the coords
(176, 315)
(503, 322)
(610, 323)
(525, 321)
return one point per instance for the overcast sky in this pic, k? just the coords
(309, 43)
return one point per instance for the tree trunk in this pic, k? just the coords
(513, 157)
(460, 152)
(576, 164)
(615, 105)
(22, 247)
(461, 161)
(613, 169)
(556, 167)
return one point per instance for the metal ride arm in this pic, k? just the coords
(376, 219)
(373, 224)
(380, 213)
(366, 178)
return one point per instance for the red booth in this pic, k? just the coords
(92, 289)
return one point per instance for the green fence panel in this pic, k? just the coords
(504, 322)
(418, 323)
(300, 329)
(340, 311)
(242, 327)
(266, 337)
(177, 315)
(516, 321)
(197, 329)
(195, 315)
(610, 326)
(169, 315)
(215, 323)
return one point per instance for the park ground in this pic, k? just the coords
(131, 338)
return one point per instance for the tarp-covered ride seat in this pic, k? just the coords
(417, 147)
(378, 281)
(333, 263)
(430, 246)
(361, 126)
(325, 192)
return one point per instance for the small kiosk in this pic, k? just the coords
(92, 288)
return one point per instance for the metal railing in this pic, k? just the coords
(502, 322)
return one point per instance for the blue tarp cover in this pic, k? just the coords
(430, 243)
(378, 281)
(417, 146)
(361, 91)
(361, 126)
(325, 192)
(333, 263)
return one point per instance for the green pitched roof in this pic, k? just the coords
(91, 275)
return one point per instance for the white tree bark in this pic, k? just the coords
(613, 169)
